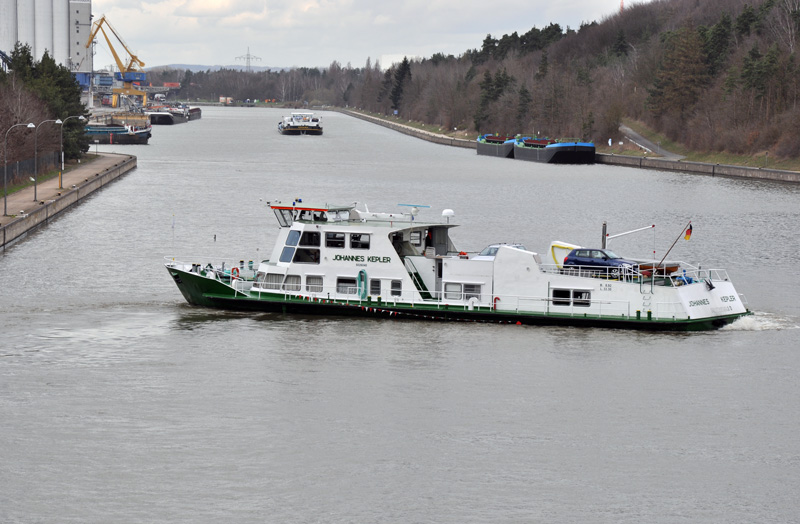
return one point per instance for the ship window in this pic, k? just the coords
(472, 290)
(284, 217)
(359, 241)
(314, 284)
(306, 256)
(397, 288)
(310, 238)
(346, 286)
(274, 281)
(574, 297)
(261, 277)
(375, 287)
(286, 254)
(334, 239)
(581, 298)
(293, 237)
(292, 283)
(452, 291)
(562, 297)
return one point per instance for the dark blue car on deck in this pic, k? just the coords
(599, 258)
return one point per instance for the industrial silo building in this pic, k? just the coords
(60, 27)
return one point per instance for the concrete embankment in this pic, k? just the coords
(27, 213)
(699, 168)
(406, 130)
(662, 164)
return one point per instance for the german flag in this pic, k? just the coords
(688, 234)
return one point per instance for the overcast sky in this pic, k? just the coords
(311, 33)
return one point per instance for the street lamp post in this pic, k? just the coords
(82, 119)
(5, 165)
(36, 157)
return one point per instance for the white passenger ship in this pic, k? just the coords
(339, 260)
(300, 123)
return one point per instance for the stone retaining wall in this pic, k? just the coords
(699, 168)
(41, 215)
(418, 133)
(610, 159)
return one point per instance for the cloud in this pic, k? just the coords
(317, 32)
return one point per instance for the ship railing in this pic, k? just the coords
(608, 273)
(246, 269)
(576, 304)
(687, 275)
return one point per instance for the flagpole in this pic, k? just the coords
(683, 232)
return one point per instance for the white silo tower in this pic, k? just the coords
(43, 27)
(26, 32)
(8, 25)
(61, 32)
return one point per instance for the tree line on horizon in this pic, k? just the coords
(717, 75)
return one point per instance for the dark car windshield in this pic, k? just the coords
(611, 254)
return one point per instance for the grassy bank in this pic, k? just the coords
(758, 160)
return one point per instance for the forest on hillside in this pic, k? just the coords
(714, 75)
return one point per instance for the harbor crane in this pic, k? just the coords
(131, 71)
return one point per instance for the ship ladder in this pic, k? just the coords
(416, 279)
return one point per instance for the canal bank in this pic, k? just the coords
(26, 213)
(662, 164)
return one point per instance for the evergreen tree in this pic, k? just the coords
(717, 44)
(523, 107)
(401, 76)
(542, 71)
(681, 77)
(620, 47)
(58, 89)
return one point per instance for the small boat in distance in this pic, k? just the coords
(119, 128)
(167, 115)
(118, 134)
(551, 151)
(300, 123)
(336, 260)
(496, 145)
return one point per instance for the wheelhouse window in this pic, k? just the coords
(306, 256)
(292, 283)
(359, 241)
(293, 238)
(284, 217)
(287, 254)
(314, 284)
(310, 238)
(346, 286)
(375, 287)
(397, 288)
(334, 240)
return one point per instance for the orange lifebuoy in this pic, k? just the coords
(235, 272)
(494, 303)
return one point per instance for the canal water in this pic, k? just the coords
(121, 403)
